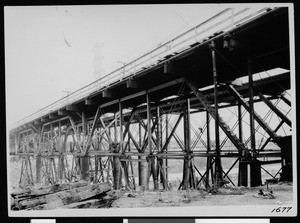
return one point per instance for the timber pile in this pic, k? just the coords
(72, 195)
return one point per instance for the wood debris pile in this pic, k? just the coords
(71, 195)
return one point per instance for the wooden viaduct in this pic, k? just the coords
(119, 128)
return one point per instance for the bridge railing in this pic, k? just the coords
(221, 22)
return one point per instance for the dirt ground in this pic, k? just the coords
(225, 196)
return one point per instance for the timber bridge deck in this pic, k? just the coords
(90, 133)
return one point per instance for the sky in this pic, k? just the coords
(51, 51)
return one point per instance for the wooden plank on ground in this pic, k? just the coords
(104, 202)
(34, 192)
(59, 199)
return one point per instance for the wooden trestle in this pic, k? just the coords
(122, 134)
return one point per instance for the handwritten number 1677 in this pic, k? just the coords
(281, 209)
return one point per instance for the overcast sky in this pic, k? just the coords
(50, 50)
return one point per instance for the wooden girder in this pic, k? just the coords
(106, 127)
(127, 126)
(287, 101)
(146, 135)
(179, 142)
(199, 138)
(134, 142)
(275, 109)
(89, 140)
(171, 133)
(257, 118)
(226, 129)
(275, 130)
(270, 138)
(75, 135)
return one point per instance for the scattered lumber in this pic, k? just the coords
(31, 192)
(37, 191)
(61, 195)
(92, 203)
(104, 202)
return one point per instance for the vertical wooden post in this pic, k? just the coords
(140, 166)
(84, 160)
(38, 159)
(255, 171)
(251, 106)
(84, 166)
(187, 142)
(240, 122)
(60, 164)
(117, 166)
(218, 168)
(160, 162)
(208, 162)
(143, 166)
(243, 166)
(123, 164)
(96, 169)
(51, 137)
(16, 144)
(149, 123)
(38, 165)
(130, 162)
(158, 143)
(30, 169)
(84, 132)
(166, 161)
(116, 128)
(121, 144)
(151, 164)
(52, 172)
(121, 125)
(47, 177)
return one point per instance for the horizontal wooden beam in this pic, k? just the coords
(107, 94)
(132, 84)
(37, 122)
(52, 116)
(275, 109)
(72, 108)
(62, 112)
(44, 119)
(90, 102)
(168, 84)
(140, 93)
(109, 103)
(270, 162)
(56, 121)
(169, 68)
(34, 127)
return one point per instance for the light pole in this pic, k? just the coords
(123, 67)
(67, 97)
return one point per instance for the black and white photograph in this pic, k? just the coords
(182, 110)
